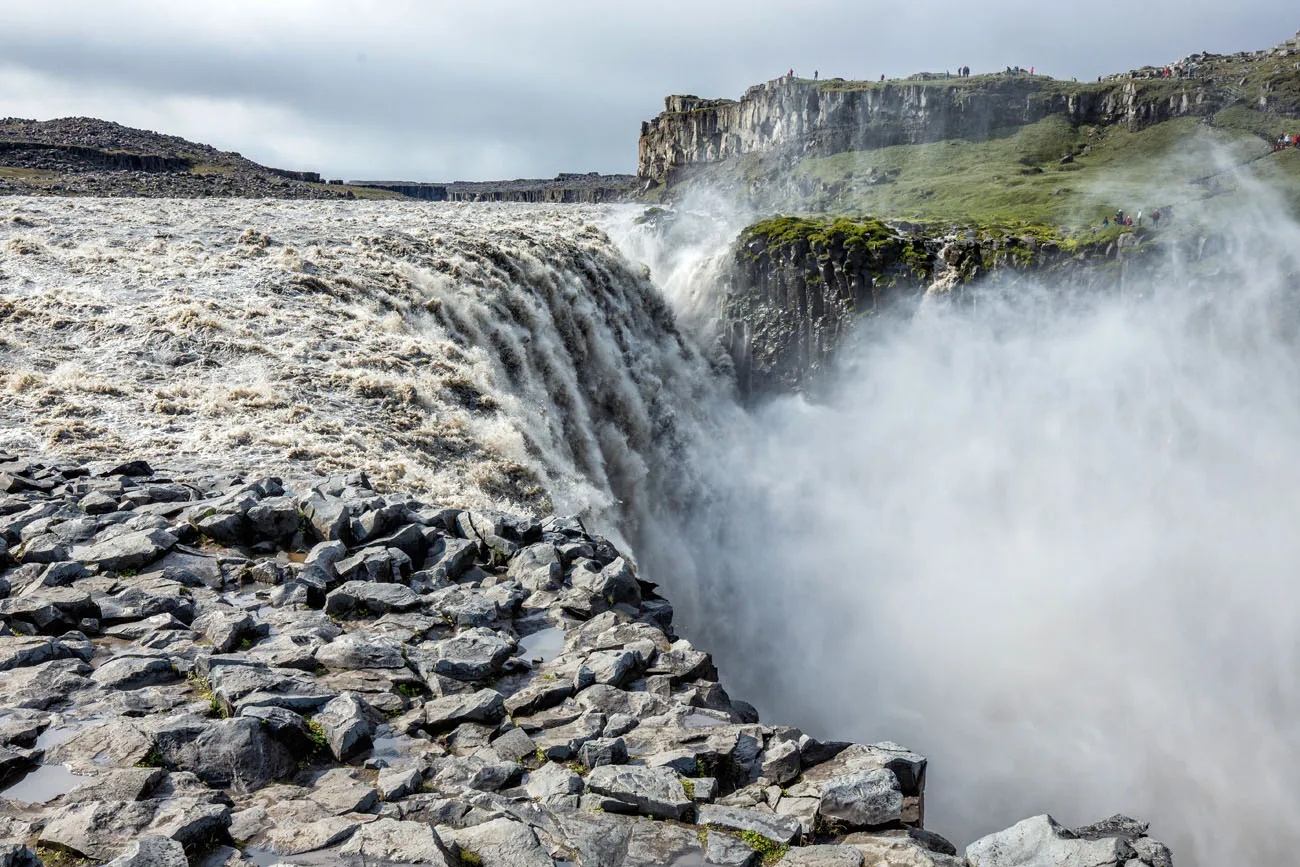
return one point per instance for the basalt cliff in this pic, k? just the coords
(806, 117)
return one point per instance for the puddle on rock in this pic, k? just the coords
(55, 735)
(44, 784)
(261, 857)
(545, 644)
(389, 746)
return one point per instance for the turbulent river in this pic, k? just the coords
(1051, 546)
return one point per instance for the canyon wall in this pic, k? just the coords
(796, 286)
(824, 118)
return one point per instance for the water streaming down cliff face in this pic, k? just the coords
(1050, 545)
(487, 355)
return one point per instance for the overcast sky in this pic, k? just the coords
(481, 89)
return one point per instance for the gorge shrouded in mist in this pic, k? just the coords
(1046, 538)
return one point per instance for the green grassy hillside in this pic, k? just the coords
(1021, 175)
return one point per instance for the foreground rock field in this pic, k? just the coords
(215, 670)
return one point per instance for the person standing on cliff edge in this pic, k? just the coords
(814, 75)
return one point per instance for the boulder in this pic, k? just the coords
(537, 567)
(135, 672)
(104, 829)
(863, 800)
(776, 828)
(484, 706)
(239, 753)
(475, 654)
(502, 842)
(390, 840)
(355, 650)
(1041, 840)
(374, 598)
(653, 792)
(128, 551)
(154, 850)
(348, 726)
(553, 779)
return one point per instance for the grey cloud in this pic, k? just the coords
(498, 89)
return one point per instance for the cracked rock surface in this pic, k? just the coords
(214, 670)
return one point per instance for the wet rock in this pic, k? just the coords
(297, 839)
(339, 792)
(475, 654)
(478, 772)
(125, 784)
(285, 726)
(781, 762)
(514, 745)
(538, 695)
(603, 751)
(224, 628)
(46, 685)
(727, 850)
(17, 651)
(51, 610)
(97, 503)
(614, 583)
(449, 558)
(328, 516)
(17, 855)
(902, 849)
(397, 783)
(464, 607)
(273, 518)
(654, 792)
(115, 742)
(611, 668)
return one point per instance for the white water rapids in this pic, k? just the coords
(1053, 547)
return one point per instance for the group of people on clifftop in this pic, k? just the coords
(1129, 221)
(1286, 141)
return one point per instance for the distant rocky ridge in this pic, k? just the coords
(210, 670)
(91, 157)
(805, 117)
(565, 188)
